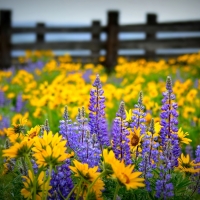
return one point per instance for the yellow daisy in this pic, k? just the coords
(126, 176)
(128, 115)
(135, 139)
(182, 137)
(82, 170)
(28, 189)
(186, 165)
(19, 149)
(33, 132)
(50, 150)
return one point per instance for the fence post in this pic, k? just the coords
(5, 39)
(112, 40)
(40, 36)
(95, 49)
(151, 20)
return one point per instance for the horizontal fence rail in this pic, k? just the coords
(112, 45)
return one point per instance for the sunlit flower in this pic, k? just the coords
(135, 138)
(82, 170)
(29, 186)
(182, 137)
(33, 132)
(50, 150)
(126, 176)
(19, 149)
(186, 165)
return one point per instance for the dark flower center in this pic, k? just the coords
(126, 177)
(134, 140)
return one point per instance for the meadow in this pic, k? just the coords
(71, 131)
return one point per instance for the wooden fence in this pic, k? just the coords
(112, 44)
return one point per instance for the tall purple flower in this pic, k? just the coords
(2, 98)
(61, 181)
(120, 132)
(4, 123)
(138, 118)
(19, 103)
(169, 122)
(169, 142)
(97, 120)
(88, 150)
(149, 155)
(66, 129)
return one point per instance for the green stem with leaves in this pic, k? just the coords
(71, 192)
(116, 191)
(92, 184)
(31, 168)
(79, 189)
(48, 181)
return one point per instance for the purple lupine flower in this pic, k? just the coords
(197, 160)
(169, 124)
(2, 98)
(4, 123)
(169, 142)
(138, 118)
(149, 155)
(66, 129)
(97, 120)
(87, 146)
(61, 181)
(120, 132)
(19, 103)
(189, 150)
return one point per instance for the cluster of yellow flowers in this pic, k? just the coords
(48, 150)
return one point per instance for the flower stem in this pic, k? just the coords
(79, 189)
(48, 180)
(30, 166)
(71, 192)
(92, 184)
(116, 191)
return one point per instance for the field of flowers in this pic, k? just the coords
(70, 131)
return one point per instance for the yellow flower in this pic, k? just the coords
(187, 166)
(50, 150)
(128, 115)
(126, 176)
(28, 189)
(82, 170)
(16, 138)
(135, 139)
(18, 125)
(19, 149)
(33, 132)
(10, 95)
(182, 137)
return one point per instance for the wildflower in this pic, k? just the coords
(29, 186)
(182, 137)
(138, 117)
(186, 165)
(50, 150)
(89, 174)
(19, 149)
(97, 122)
(126, 176)
(33, 132)
(135, 139)
(120, 134)
(61, 180)
(17, 127)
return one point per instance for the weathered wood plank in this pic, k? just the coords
(72, 45)
(162, 27)
(160, 43)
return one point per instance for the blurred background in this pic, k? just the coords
(77, 13)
